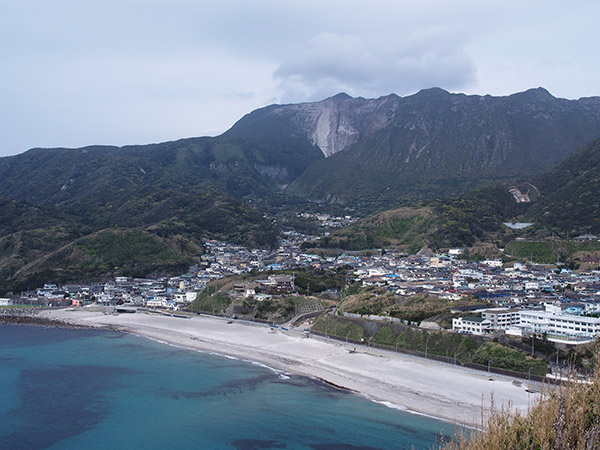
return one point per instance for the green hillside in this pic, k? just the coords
(241, 168)
(566, 203)
(174, 194)
(550, 251)
(570, 200)
(144, 232)
(443, 223)
(108, 253)
(402, 227)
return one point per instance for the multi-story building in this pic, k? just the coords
(472, 325)
(559, 326)
(502, 318)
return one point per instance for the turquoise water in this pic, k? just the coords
(90, 389)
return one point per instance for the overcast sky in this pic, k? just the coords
(81, 72)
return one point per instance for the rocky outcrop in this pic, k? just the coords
(524, 193)
(333, 124)
(338, 122)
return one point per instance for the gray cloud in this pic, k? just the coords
(373, 66)
(133, 71)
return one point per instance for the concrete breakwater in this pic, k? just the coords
(30, 316)
(19, 312)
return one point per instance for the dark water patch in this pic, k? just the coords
(407, 430)
(116, 335)
(234, 387)
(318, 386)
(257, 444)
(7, 359)
(138, 348)
(343, 447)
(58, 403)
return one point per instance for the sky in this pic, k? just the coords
(118, 72)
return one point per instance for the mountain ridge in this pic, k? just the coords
(379, 153)
(455, 140)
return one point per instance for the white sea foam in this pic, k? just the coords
(160, 341)
(391, 405)
(224, 355)
(256, 363)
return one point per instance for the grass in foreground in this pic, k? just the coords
(564, 419)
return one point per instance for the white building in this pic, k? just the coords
(558, 326)
(532, 286)
(6, 302)
(502, 318)
(472, 325)
(155, 303)
(492, 262)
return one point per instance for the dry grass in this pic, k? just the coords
(567, 418)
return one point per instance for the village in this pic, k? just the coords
(517, 299)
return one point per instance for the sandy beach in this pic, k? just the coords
(415, 384)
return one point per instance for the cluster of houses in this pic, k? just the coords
(328, 221)
(520, 299)
(162, 292)
(264, 289)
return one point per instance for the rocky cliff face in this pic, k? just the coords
(338, 122)
(332, 125)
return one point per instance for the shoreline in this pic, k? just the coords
(397, 381)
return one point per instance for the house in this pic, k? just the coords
(277, 284)
(6, 302)
(586, 237)
(492, 262)
(472, 325)
(155, 303)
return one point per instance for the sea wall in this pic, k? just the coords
(30, 316)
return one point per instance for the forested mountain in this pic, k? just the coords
(570, 194)
(70, 176)
(437, 143)
(134, 233)
(381, 151)
(62, 208)
(564, 201)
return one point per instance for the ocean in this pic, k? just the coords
(98, 389)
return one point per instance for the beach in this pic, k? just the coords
(415, 384)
